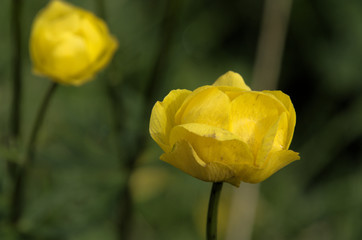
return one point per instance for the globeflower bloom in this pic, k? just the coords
(225, 132)
(69, 44)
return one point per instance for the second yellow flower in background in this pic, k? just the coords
(69, 44)
(225, 132)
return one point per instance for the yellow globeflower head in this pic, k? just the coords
(69, 44)
(225, 132)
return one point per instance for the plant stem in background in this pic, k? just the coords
(124, 199)
(15, 114)
(271, 44)
(17, 200)
(17, 69)
(211, 222)
(101, 9)
(128, 161)
(267, 67)
(168, 28)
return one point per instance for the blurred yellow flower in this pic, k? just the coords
(225, 132)
(69, 44)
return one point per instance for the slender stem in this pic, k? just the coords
(17, 201)
(38, 123)
(168, 29)
(125, 216)
(15, 114)
(101, 8)
(124, 198)
(128, 160)
(17, 70)
(211, 224)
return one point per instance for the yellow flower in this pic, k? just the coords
(69, 44)
(225, 132)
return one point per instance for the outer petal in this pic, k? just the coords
(274, 140)
(231, 79)
(252, 115)
(206, 106)
(285, 100)
(101, 51)
(184, 157)
(162, 117)
(231, 92)
(275, 161)
(213, 145)
(158, 126)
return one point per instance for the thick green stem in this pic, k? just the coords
(211, 224)
(17, 201)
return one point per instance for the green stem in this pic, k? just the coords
(168, 30)
(17, 70)
(211, 224)
(128, 161)
(17, 201)
(124, 198)
(101, 8)
(38, 123)
(15, 114)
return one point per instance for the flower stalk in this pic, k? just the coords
(15, 113)
(212, 213)
(17, 70)
(17, 200)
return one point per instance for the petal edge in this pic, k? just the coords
(232, 79)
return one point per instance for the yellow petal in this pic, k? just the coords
(252, 115)
(55, 10)
(69, 57)
(231, 79)
(213, 144)
(275, 161)
(274, 140)
(184, 157)
(162, 117)
(101, 45)
(206, 106)
(158, 126)
(285, 100)
(89, 29)
(231, 92)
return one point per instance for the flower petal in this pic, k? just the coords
(158, 126)
(275, 161)
(274, 140)
(231, 79)
(252, 115)
(213, 144)
(285, 100)
(206, 106)
(162, 117)
(184, 157)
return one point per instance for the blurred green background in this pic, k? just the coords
(91, 131)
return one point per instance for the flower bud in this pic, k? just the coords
(69, 44)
